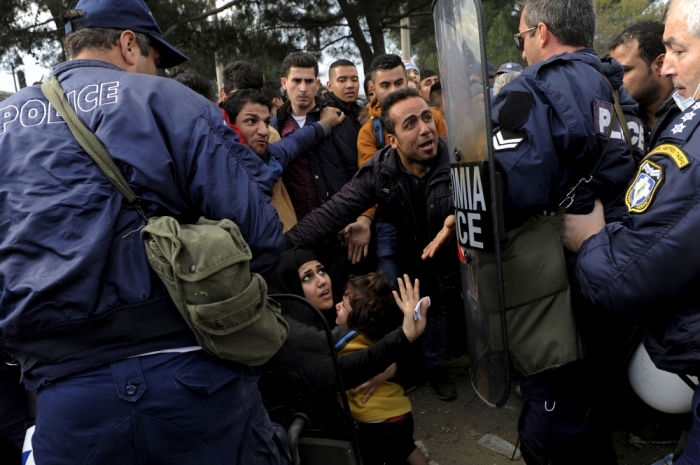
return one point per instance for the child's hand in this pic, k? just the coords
(368, 387)
(409, 297)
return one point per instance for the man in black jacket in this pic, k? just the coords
(410, 180)
(318, 175)
(343, 89)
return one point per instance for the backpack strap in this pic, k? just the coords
(90, 143)
(378, 130)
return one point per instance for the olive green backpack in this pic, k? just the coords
(204, 266)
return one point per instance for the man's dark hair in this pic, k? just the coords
(299, 60)
(573, 22)
(426, 73)
(649, 35)
(235, 103)
(436, 94)
(374, 310)
(97, 38)
(242, 75)
(271, 90)
(195, 81)
(338, 63)
(385, 62)
(391, 100)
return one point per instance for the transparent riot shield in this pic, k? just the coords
(476, 188)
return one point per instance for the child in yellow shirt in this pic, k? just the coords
(384, 421)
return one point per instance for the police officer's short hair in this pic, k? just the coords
(572, 21)
(97, 38)
(649, 35)
(692, 15)
(385, 62)
(391, 100)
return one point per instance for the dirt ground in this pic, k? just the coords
(451, 430)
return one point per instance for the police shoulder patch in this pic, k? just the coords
(674, 153)
(642, 191)
(516, 110)
(506, 139)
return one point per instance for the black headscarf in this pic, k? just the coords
(288, 281)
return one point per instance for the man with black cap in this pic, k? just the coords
(120, 377)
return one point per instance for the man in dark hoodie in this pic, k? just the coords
(552, 124)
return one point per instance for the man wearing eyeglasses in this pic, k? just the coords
(552, 125)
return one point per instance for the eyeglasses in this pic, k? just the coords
(520, 40)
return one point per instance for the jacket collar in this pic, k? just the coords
(668, 105)
(285, 112)
(354, 107)
(72, 64)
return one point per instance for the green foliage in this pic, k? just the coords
(616, 15)
(264, 31)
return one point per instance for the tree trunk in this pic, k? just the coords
(358, 35)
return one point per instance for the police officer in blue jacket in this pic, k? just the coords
(552, 124)
(120, 377)
(646, 267)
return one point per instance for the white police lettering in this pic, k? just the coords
(469, 196)
(33, 113)
(37, 112)
(87, 98)
(602, 114)
(7, 116)
(54, 117)
(108, 93)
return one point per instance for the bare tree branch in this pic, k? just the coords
(206, 14)
(43, 23)
(324, 46)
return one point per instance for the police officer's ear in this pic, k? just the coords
(659, 63)
(129, 47)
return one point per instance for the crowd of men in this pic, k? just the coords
(366, 183)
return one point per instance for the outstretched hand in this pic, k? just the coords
(446, 234)
(407, 298)
(355, 237)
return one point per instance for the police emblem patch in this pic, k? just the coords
(641, 192)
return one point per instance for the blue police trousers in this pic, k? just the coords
(169, 409)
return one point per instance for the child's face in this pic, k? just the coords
(343, 309)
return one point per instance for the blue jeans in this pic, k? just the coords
(169, 409)
(389, 259)
(395, 264)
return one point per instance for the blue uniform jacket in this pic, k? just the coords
(550, 126)
(647, 266)
(76, 289)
